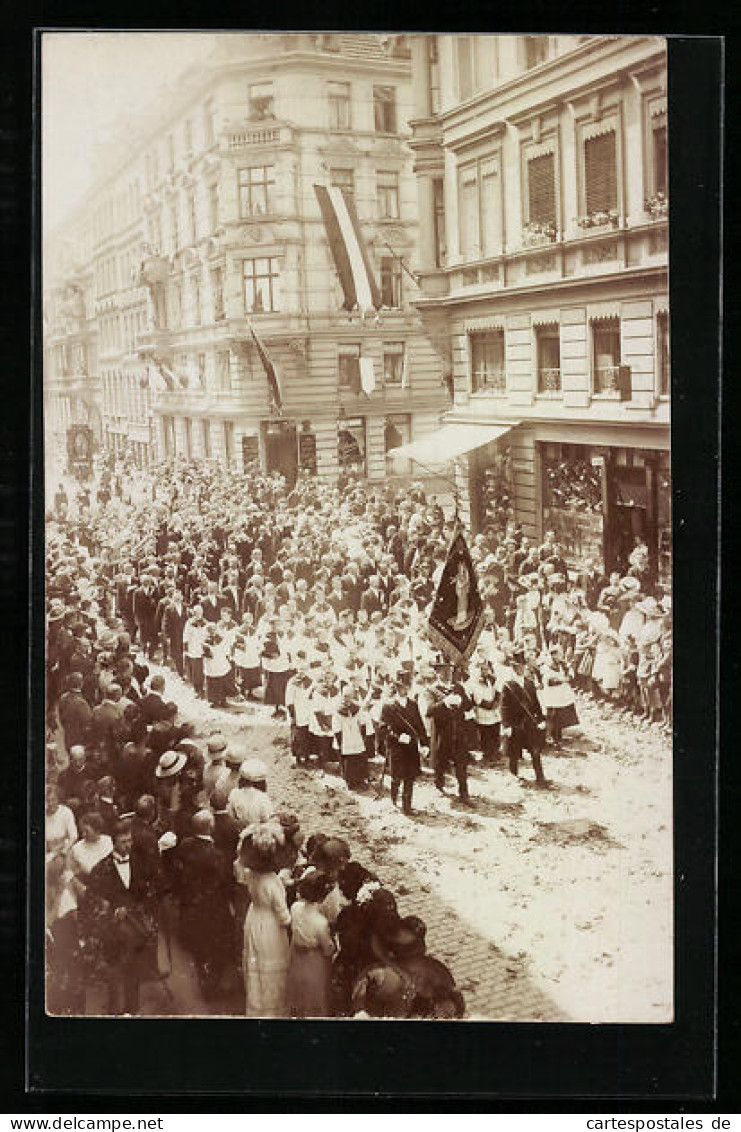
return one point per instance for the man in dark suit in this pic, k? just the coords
(173, 623)
(449, 736)
(523, 722)
(145, 614)
(119, 912)
(404, 733)
(201, 885)
(124, 588)
(231, 595)
(152, 706)
(373, 600)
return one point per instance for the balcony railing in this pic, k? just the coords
(549, 379)
(613, 381)
(269, 135)
(492, 381)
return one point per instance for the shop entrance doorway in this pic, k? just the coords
(281, 451)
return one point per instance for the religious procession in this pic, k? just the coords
(359, 620)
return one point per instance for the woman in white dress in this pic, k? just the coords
(266, 952)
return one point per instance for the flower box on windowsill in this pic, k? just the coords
(657, 206)
(536, 234)
(598, 220)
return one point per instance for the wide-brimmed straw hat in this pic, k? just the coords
(170, 763)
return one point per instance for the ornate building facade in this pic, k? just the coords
(541, 166)
(208, 227)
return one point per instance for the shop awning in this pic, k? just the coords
(451, 441)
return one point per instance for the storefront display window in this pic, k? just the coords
(572, 501)
(496, 501)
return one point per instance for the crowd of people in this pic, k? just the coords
(313, 601)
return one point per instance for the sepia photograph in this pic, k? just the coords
(358, 545)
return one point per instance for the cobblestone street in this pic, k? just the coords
(547, 905)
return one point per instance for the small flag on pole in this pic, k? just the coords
(405, 368)
(270, 371)
(455, 619)
(161, 378)
(348, 250)
(367, 376)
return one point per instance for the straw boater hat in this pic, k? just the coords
(253, 770)
(170, 763)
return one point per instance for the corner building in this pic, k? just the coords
(541, 166)
(225, 234)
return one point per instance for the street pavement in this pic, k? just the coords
(548, 905)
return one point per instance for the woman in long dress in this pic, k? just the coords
(312, 948)
(266, 950)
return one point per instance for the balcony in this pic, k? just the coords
(254, 134)
(492, 381)
(549, 379)
(613, 381)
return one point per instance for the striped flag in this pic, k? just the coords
(270, 371)
(367, 376)
(348, 250)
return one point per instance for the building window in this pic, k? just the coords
(339, 106)
(487, 362)
(387, 189)
(261, 285)
(170, 153)
(384, 109)
(348, 367)
(177, 305)
(548, 353)
(536, 50)
(188, 136)
(664, 357)
(438, 198)
(479, 208)
(343, 179)
(541, 192)
(217, 290)
(391, 279)
(351, 446)
(393, 363)
(223, 373)
(256, 188)
(606, 356)
(659, 154)
(261, 102)
(600, 174)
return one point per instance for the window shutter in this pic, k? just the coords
(541, 176)
(600, 173)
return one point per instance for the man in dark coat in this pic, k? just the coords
(449, 733)
(153, 708)
(119, 911)
(404, 732)
(145, 615)
(523, 722)
(201, 885)
(75, 713)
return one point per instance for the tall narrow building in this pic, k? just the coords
(541, 167)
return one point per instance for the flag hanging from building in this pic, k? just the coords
(348, 249)
(270, 371)
(456, 615)
(405, 368)
(367, 375)
(161, 377)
